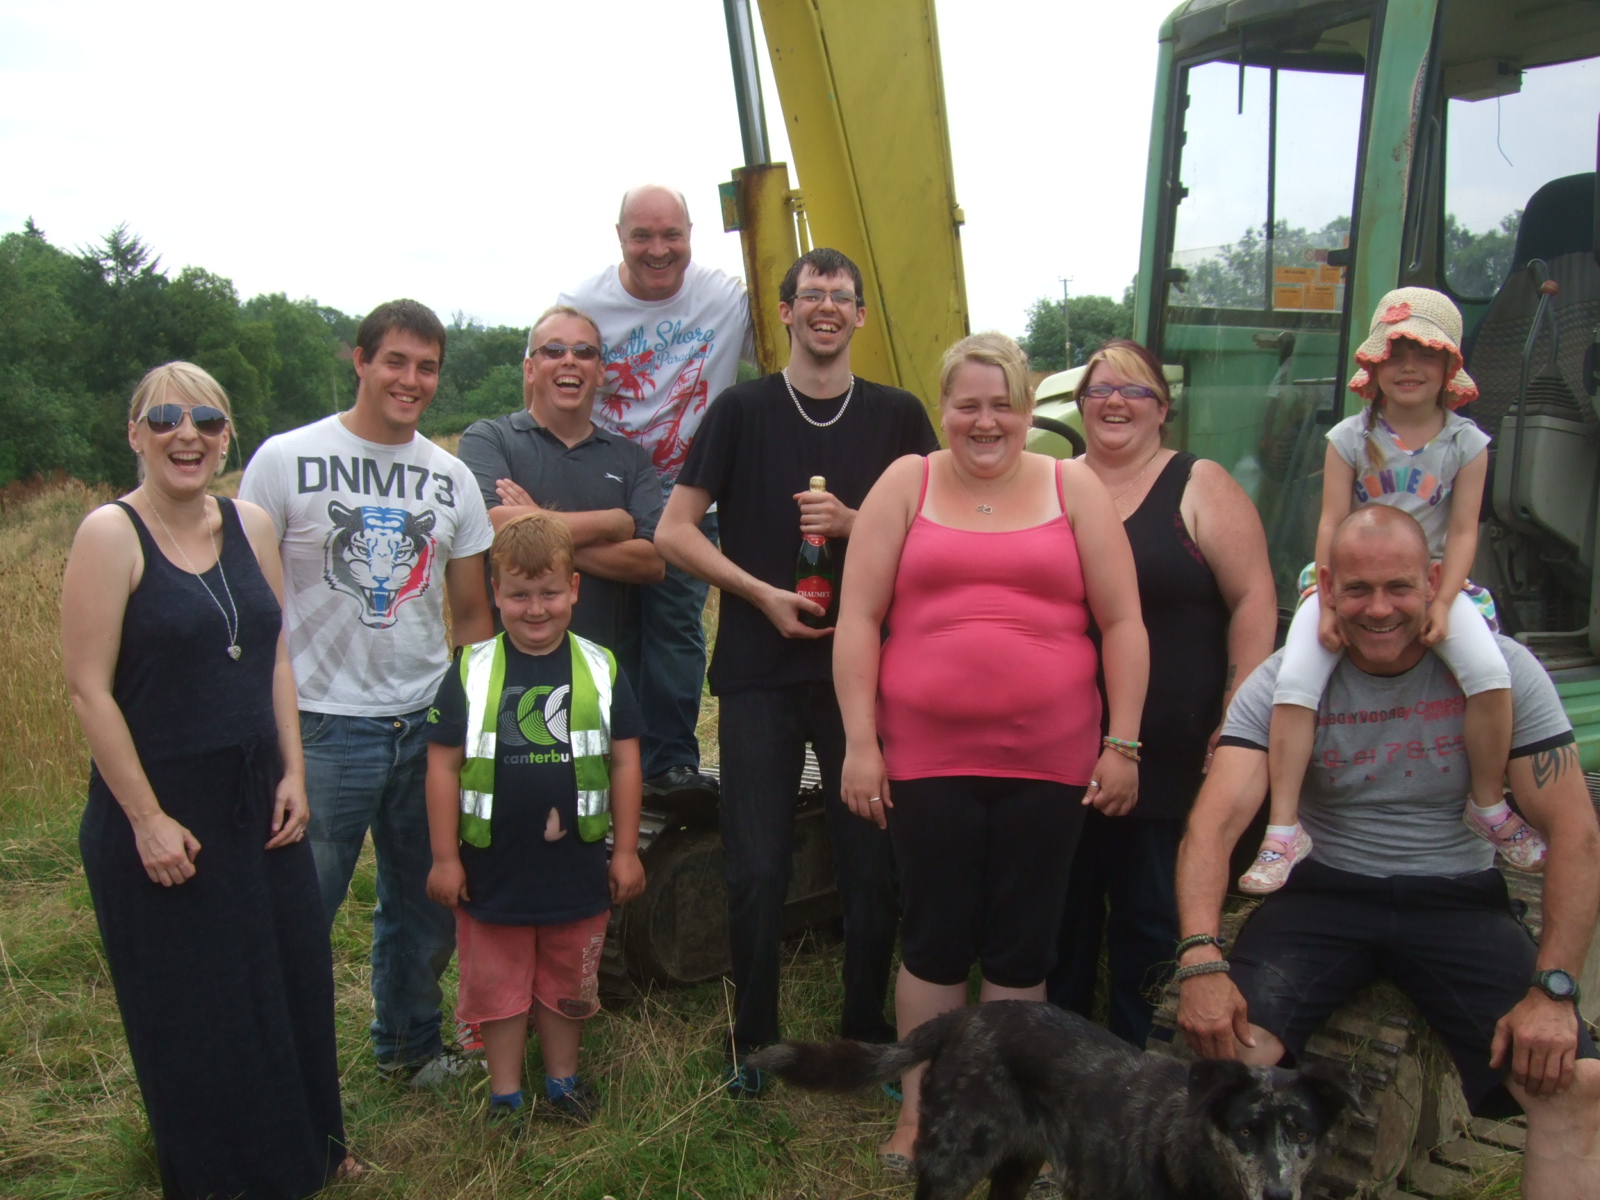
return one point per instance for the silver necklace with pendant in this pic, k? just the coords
(233, 626)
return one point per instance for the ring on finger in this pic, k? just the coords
(1094, 783)
(874, 799)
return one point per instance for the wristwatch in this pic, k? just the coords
(1557, 984)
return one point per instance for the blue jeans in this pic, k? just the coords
(663, 651)
(763, 737)
(366, 772)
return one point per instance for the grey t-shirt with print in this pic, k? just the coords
(1419, 482)
(1388, 778)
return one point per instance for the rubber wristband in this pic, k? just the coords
(1203, 968)
(1200, 939)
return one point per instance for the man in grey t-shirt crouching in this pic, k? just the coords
(1397, 886)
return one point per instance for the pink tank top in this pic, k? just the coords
(988, 668)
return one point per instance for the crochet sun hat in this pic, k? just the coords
(1424, 316)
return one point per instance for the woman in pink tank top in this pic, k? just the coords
(986, 564)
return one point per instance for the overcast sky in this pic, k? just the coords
(472, 155)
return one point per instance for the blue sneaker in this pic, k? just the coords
(743, 1082)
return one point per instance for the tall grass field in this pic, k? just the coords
(71, 1123)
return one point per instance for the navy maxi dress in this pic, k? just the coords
(225, 982)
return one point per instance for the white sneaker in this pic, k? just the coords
(446, 1068)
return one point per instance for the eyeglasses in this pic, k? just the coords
(1130, 391)
(583, 351)
(164, 418)
(841, 298)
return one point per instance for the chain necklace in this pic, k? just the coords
(1142, 471)
(232, 626)
(807, 417)
(985, 509)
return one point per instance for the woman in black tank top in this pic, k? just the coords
(1209, 608)
(193, 834)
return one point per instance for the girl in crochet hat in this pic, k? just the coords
(1406, 448)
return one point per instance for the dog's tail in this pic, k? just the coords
(845, 1066)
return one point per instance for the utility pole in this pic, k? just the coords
(1066, 317)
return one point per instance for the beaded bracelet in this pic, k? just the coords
(1200, 939)
(1201, 968)
(1126, 749)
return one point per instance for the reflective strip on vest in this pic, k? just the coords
(590, 732)
(483, 669)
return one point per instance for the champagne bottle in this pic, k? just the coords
(815, 576)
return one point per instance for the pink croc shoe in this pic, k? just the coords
(1277, 858)
(1518, 842)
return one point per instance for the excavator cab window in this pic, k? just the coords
(1508, 131)
(1260, 192)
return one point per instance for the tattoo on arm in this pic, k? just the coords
(1233, 673)
(1551, 765)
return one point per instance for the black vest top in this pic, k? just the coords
(1187, 621)
(178, 690)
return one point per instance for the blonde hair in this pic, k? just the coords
(991, 349)
(531, 545)
(1134, 363)
(193, 383)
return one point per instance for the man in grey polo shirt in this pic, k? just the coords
(552, 457)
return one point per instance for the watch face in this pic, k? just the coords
(1558, 983)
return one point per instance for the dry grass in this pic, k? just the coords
(71, 1124)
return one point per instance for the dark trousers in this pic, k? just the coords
(763, 738)
(1122, 882)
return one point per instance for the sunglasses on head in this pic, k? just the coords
(164, 418)
(583, 351)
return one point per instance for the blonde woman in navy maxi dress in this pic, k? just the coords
(987, 564)
(192, 838)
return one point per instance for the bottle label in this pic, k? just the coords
(816, 589)
(816, 539)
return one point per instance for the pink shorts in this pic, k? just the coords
(505, 968)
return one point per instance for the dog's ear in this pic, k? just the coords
(1333, 1086)
(1212, 1081)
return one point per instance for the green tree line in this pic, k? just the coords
(79, 329)
(1093, 320)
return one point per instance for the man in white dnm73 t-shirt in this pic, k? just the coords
(377, 526)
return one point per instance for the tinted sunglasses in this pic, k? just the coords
(164, 418)
(583, 351)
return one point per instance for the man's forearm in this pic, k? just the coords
(1550, 790)
(1230, 796)
(632, 561)
(590, 528)
(684, 546)
(1202, 884)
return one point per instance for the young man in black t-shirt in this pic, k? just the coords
(534, 756)
(758, 447)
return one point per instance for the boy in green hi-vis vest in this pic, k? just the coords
(533, 759)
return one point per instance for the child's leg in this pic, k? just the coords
(505, 1042)
(1302, 677)
(1289, 745)
(559, 1039)
(1474, 657)
(496, 976)
(566, 992)
(1471, 652)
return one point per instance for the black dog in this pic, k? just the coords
(1015, 1083)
